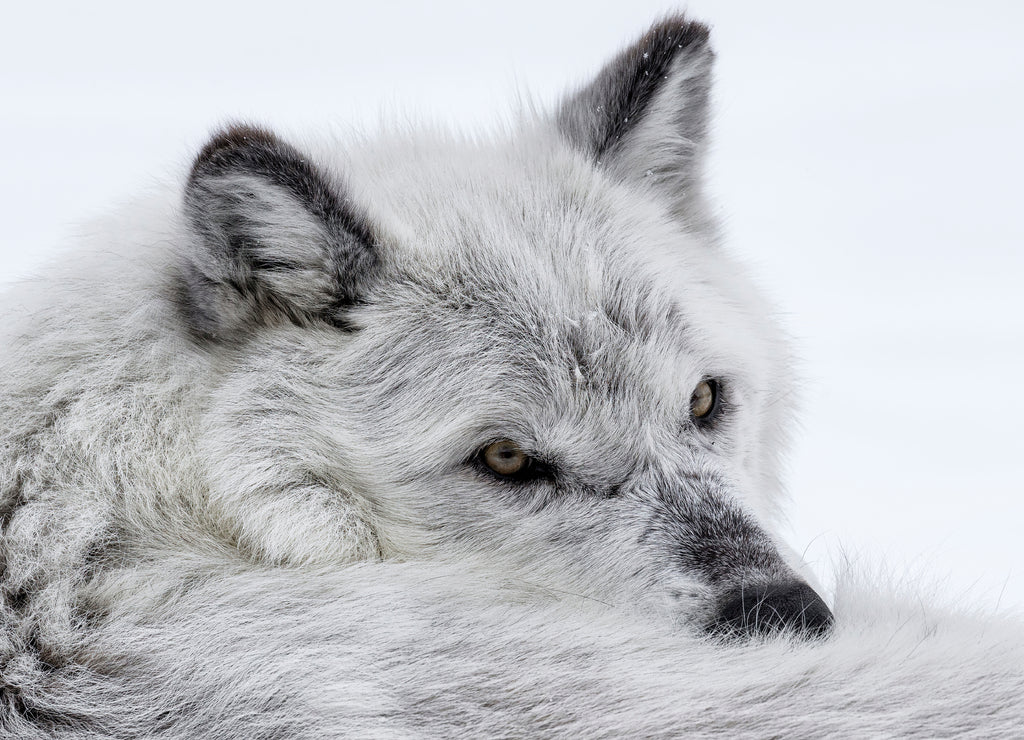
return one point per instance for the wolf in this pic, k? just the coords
(438, 436)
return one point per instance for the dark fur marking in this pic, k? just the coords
(18, 600)
(256, 151)
(191, 292)
(604, 112)
(217, 216)
(49, 660)
(712, 536)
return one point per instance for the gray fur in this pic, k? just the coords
(645, 117)
(276, 238)
(240, 483)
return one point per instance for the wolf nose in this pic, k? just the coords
(763, 610)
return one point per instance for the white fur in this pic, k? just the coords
(279, 534)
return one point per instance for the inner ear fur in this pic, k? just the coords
(644, 117)
(275, 238)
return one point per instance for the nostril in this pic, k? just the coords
(766, 609)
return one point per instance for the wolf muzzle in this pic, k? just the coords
(764, 610)
(710, 535)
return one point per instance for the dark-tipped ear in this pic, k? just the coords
(645, 117)
(276, 238)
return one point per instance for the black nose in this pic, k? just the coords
(766, 609)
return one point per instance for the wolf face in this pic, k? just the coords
(527, 351)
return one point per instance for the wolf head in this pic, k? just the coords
(528, 350)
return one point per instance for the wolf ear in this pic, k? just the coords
(276, 240)
(644, 118)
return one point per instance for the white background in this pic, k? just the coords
(868, 164)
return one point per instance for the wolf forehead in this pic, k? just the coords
(536, 250)
(531, 267)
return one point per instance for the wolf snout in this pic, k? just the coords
(791, 606)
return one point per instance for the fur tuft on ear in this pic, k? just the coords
(644, 118)
(276, 238)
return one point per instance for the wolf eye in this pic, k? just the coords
(505, 457)
(704, 400)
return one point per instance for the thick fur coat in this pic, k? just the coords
(436, 437)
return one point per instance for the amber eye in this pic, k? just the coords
(505, 457)
(704, 400)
